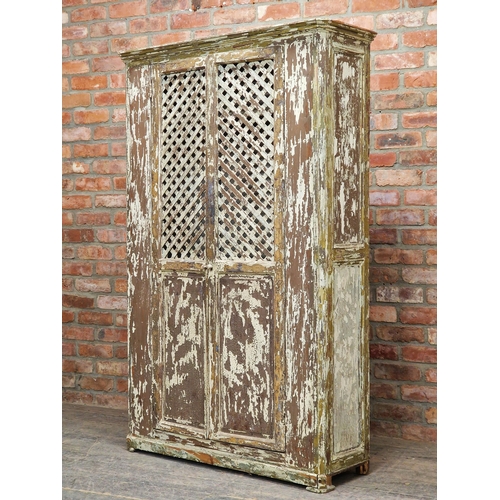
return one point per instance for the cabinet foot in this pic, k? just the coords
(320, 489)
(363, 469)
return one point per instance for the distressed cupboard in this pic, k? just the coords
(248, 250)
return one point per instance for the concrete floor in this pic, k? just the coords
(96, 465)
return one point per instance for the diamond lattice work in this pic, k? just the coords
(183, 183)
(245, 122)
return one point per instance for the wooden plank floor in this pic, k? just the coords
(97, 465)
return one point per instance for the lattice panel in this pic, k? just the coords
(183, 184)
(245, 123)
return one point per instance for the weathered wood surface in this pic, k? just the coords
(96, 465)
(251, 174)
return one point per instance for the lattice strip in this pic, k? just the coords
(245, 123)
(183, 172)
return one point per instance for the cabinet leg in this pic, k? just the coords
(324, 485)
(363, 469)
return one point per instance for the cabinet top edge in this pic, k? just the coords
(243, 40)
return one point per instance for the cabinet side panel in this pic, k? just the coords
(142, 306)
(347, 149)
(347, 342)
(184, 397)
(247, 340)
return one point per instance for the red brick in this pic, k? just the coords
(402, 60)
(110, 166)
(88, 14)
(94, 252)
(421, 3)
(416, 432)
(96, 383)
(366, 22)
(67, 284)
(68, 316)
(112, 401)
(383, 235)
(93, 285)
(431, 415)
(397, 256)
(421, 197)
(401, 217)
(76, 100)
(431, 375)
(75, 134)
(417, 157)
(386, 371)
(95, 318)
(127, 9)
(420, 79)
(90, 48)
(67, 219)
(419, 354)
(121, 319)
(75, 167)
(398, 177)
(117, 81)
(325, 7)
(432, 17)
(384, 121)
(78, 235)
(399, 294)
(385, 159)
(111, 200)
(383, 391)
(108, 29)
(384, 198)
(65, 51)
(110, 132)
(75, 301)
(113, 334)
(109, 98)
(385, 429)
(68, 349)
(119, 149)
(72, 3)
(95, 350)
(112, 235)
(175, 37)
(93, 184)
(117, 368)
(120, 183)
(93, 218)
(66, 118)
(386, 314)
(148, 24)
(420, 39)
(66, 151)
(431, 257)
(384, 41)
(404, 413)
(110, 63)
(424, 393)
(400, 333)
(77, 333)
(77, 268)
(382, 351)
(431, 139)
(169, 5)
(418, 315)
(75, 67)
(125, 44)
(278, 11)
(432, 98)
(121, 252)
(76, 201)
(234, 16)
(420, 120)
(65, 84)
(374, 5)
(120, 218)
(111, 268)
(77, 366)
(77, 398)
(419, 236)
(384, 81)
(395, 20)
(398, 101)
(420, 275)
(121, 286)
(90, 150)
(212, 32)
(91, 116)
(189, 20)
(110, 302)
(89, 82)
(121, 384)
(74, 32)
(68, 253)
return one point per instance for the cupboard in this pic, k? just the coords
(248, 250)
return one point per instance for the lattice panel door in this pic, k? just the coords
(183, 158)
(245, 138)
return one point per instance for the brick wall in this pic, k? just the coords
(402, 192)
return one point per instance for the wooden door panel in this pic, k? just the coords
(246, 330)
(185, 346)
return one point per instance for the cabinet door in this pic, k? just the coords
(221, 240)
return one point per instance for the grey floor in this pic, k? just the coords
(96, 465)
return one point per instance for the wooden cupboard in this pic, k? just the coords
(248, 250)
